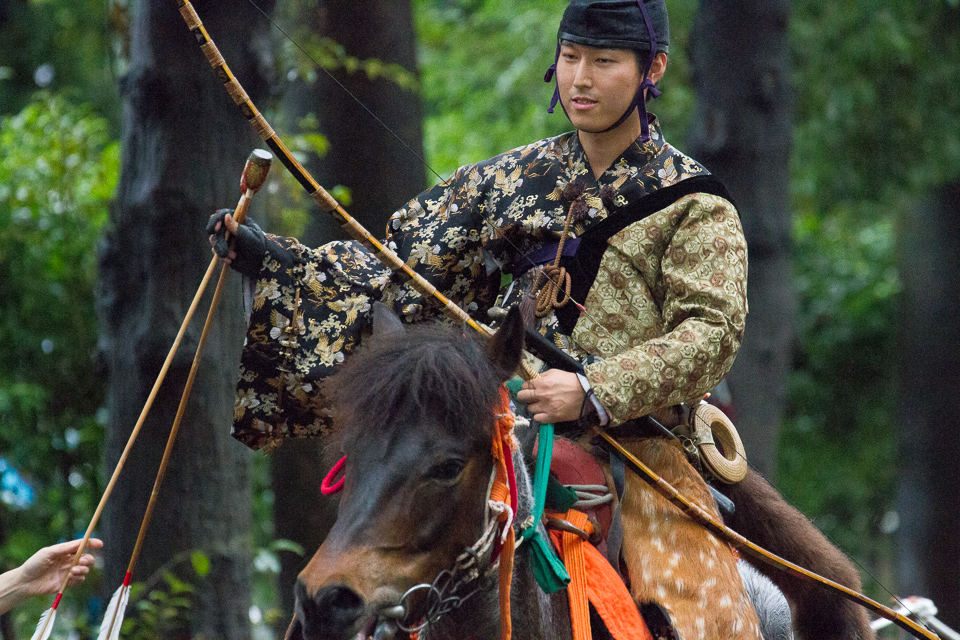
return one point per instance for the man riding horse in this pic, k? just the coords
(618, 248)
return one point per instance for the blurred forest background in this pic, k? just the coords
(835, 124)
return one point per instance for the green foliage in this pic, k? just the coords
(482, 65)
(326, 53)
(58, 169)
(877, 93)
(304, 54)
(877, 98)
(161, 605)
(70, 42)
(838, 459)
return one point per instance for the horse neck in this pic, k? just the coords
(534, 614)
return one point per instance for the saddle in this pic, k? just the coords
(573, 466)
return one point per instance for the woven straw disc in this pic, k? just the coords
(726, 459)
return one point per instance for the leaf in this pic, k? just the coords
(282, 544)
(266, 562)
(200, 562)
(176, 584)
(342, 194)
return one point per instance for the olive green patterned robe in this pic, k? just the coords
(658, 266)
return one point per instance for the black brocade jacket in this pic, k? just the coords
(655, 250)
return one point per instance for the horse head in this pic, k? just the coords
(415, 408)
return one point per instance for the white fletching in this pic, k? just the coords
(45, 626)
(113, 618)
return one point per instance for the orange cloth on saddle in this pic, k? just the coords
(593, 579)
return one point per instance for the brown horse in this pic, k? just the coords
(416, 409)
(415, 415)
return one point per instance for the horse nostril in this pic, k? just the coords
(339, 598)
(331, 613)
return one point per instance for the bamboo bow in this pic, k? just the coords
(390, 259)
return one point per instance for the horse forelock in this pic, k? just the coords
(429, 372)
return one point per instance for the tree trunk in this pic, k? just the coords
(300, 512)
(928, 539)
(741, 133)
(382, 173)
(184, 145)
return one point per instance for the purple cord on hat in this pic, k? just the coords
(647, 83)
(638, 100)
(552, 71)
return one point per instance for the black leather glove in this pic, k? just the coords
(249, 244)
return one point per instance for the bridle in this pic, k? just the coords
(471, 571)
(491, 554)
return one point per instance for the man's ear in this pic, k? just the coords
(658, 68)
(385, 321)
(505, 349)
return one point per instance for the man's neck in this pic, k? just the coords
(603, 148)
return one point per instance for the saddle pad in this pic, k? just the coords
(571, 464)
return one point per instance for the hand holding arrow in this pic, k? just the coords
(253, 178)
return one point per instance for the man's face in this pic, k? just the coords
(596, 85)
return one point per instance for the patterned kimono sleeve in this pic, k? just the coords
(308, 311)
(701, 290)
(311, 308)
(441, 236)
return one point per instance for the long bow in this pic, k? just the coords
(390, 259)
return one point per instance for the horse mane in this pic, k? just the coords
(429, 369)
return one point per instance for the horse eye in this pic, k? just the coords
(447, 471)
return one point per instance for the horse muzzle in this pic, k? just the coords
(337, 612)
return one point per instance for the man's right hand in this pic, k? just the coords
(245, 246)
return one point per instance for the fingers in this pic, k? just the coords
(71, 546)
(218, 227)
(86, 561)
(555, 396)
(79, 573)
(527, 395)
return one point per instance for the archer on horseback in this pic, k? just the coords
(617, 247)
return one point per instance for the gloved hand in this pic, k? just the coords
(246, 246)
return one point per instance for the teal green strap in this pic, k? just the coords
(541, 474)
(548, 569)
(560, 498)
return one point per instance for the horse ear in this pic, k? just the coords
(385, 321)
(505, 349)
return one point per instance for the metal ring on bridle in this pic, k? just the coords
(443, 594)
